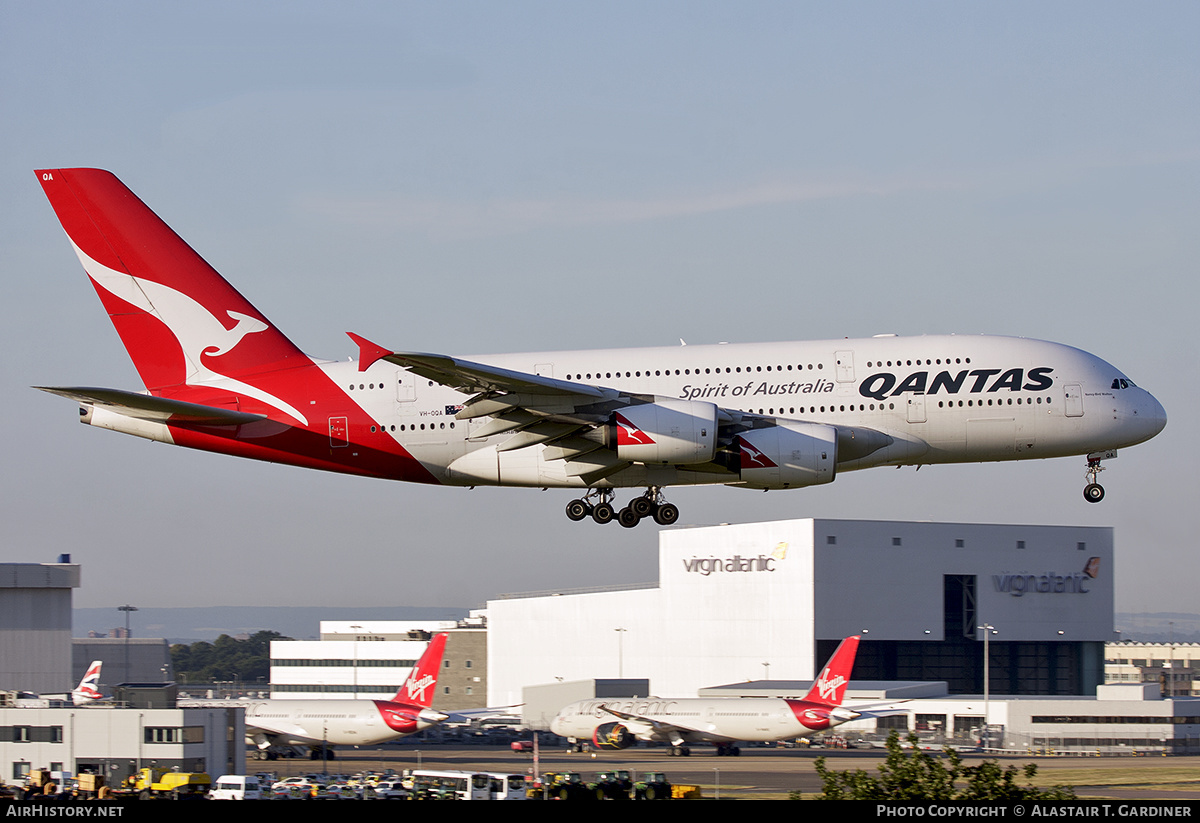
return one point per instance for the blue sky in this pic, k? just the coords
(476, 177)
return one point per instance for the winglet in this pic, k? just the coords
(368, 353)
(831, 684)
(419, 689)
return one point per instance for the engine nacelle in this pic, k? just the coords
(612, 736)
(666, 431)
(788, 455)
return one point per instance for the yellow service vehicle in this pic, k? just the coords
(164, 784)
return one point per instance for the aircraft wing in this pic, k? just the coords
(534, 409)
(149, 407)
(650, 729)
(877, 709)
(288, 733)
(469, 377)
(468, 715)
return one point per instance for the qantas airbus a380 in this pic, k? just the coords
(220, 377)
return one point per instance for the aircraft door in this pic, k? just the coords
(1074, 400)
(339, 432)
(845, 366)
(916, 408)
(406, 387)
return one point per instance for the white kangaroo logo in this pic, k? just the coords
(194, 326)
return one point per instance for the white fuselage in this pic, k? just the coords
(334, 722)
(716, 720)
(941, 399)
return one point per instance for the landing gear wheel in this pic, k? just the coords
(577, 510)
(1093, 492)
(628, 517)
(642, 506)
(603, 513)
(666, 514)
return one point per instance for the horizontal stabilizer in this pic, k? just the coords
(149, 407)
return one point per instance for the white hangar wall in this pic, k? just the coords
(765, 600)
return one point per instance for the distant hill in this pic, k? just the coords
(1159, 627)
(208, 623)
(303, 622)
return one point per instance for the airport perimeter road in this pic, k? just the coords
(761, 774)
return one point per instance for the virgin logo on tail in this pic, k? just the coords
(828, 686)
(415, 688)
(629, 434)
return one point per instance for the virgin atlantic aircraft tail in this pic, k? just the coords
(830, 686)
(421, 685)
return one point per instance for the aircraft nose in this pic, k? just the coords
(1149, 416)
(1156, 415)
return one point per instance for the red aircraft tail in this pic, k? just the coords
(419, 689)
(180, 321)
(830, 687)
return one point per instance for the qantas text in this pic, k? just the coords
(883, 384)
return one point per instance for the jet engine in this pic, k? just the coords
(667, 431)
(787, 455)
(613, 736)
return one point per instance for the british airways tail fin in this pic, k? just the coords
(421, 685)
(88, 689)
(830, 687)
(181, 322)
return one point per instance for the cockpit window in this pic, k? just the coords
(1122, 383)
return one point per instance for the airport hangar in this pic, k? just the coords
(771, 601)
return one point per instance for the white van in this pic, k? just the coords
(236, 787)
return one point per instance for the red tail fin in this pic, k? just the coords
(419, 689)
(831, 684)
(180, 321)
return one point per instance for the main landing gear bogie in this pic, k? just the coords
(650, 504)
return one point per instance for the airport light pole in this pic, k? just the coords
(988, 631)
(357, 628)
(620, 652)
(127, 609)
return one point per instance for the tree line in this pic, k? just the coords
(226, 658)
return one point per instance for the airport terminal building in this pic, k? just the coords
(770, 601)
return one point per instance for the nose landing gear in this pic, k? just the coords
(1093, 492)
